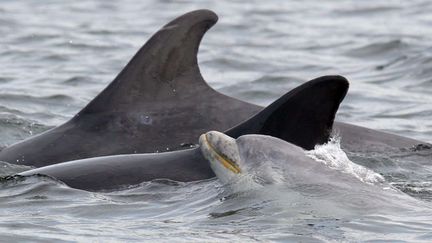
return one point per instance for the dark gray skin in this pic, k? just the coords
(361, 139)
(119, 171)
(160, 101)
(294, 117)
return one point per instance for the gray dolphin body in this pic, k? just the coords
(160, 102)
(293, 117)
(253, 161)
(232, 158)
(116, 172)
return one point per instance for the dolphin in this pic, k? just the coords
(160, 102)
(293, 117)
(254, 161)
(232, 158)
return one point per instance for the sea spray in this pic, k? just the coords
(334, 157)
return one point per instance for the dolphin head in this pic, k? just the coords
(223, 154)
(253, 156)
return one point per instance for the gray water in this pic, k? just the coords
(56, 56)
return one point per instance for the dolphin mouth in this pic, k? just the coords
(220, 157)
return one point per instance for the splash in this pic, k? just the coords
(334, 157)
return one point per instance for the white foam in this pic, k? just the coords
(334, 157)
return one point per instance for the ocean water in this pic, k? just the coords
(56, 56)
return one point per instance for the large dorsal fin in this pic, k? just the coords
(153, 72)
(304, 116)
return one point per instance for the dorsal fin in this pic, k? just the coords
(304, 116)
(153, 72)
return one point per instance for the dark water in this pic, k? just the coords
(56, 56)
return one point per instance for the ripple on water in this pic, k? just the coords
(15, 129)
(7, 169)
(417, 189)
(382, 50)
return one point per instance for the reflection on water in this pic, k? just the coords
(58, 55)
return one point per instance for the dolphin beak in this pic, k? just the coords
(218, 147)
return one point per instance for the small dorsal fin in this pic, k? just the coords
(304, 116)
(153, 72)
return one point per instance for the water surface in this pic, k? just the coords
(57, 56)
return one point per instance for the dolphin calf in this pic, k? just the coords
(232, 158)
(294, 117)
(253, 161)
(160, 102)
